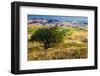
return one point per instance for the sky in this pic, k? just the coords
(60, 18)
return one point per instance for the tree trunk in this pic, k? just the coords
(46, 45)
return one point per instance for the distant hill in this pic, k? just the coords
(46, 22)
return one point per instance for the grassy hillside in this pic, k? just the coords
(74, 46)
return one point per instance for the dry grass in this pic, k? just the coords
(59, 52)
(75, 47)
(36, 26)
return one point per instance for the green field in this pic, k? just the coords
(74, 45)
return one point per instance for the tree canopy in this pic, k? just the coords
(50, 37)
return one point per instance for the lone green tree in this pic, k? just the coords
(50, 37)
